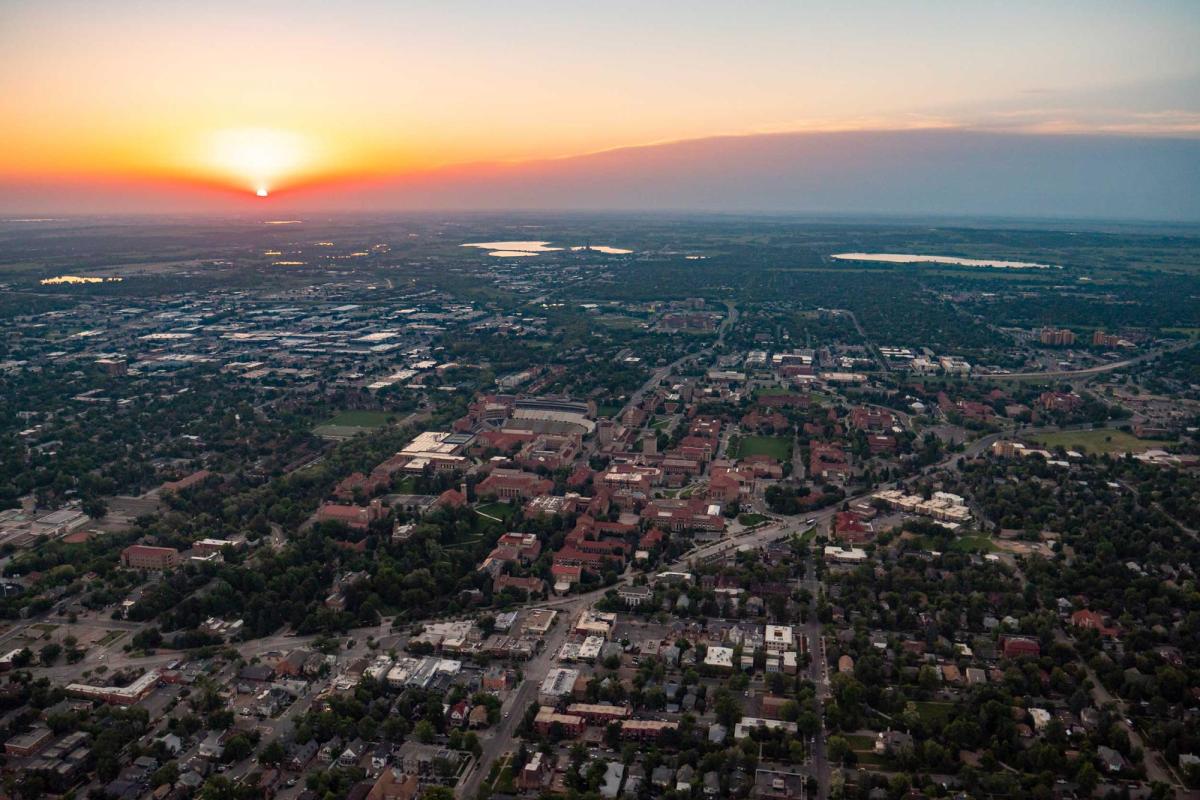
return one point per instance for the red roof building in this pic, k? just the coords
(356, 517)
(451, 498)
(513, 483)
(828, 460)
(1016, 646)
(142, 556)
(696, 513)
(530, 585)
(185, 483)
(1093, 621)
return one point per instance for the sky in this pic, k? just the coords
(168, 104)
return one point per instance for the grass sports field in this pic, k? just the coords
(350, 423)
(773, 446)
(1098, 441)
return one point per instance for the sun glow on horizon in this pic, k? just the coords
(258, 158)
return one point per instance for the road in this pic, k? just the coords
(879, 359)
(499, 739)
(660, 374)
(1088, 372)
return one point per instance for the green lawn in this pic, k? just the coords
(774, 446)
(607, 411)
(349, 424)
(109, 637)
(751, 519)
(359, 419)
(1098, 441)
(973, 543)
(932, 711)
(499, 510)
(869, 759)
(407, 485)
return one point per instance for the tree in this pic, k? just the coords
(424, 731)
(237, 749)
(1087, 778)
(95, 507)
(272, 754)
(838, 748)
(50, 653)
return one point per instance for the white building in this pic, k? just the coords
(719, 657)
(779, 638)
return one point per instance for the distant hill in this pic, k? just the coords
(931, 172)
(891, 172)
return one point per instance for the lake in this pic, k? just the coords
(907, 258)
(518, 249)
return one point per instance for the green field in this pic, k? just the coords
(351, 423)
(498, 510)
(1099, 441)
(932, 711)
(751, 519)
(973, 544)
(773, 446)
(360, 419)
(1191, 333)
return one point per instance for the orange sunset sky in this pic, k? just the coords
(238, 96)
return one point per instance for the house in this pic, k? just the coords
(1110, 759)
(1090, 620)
(478, 718)
(395, 785)
(211, 746)
(458, 714)
(770, 784)
(1017, 646)
(634, 596)
(351, 755)
(301, 755)
(891, 742)
(614, 773)
(256, 673)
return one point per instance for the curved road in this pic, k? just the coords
(1084, 373)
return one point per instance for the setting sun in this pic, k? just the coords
(257, 158)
